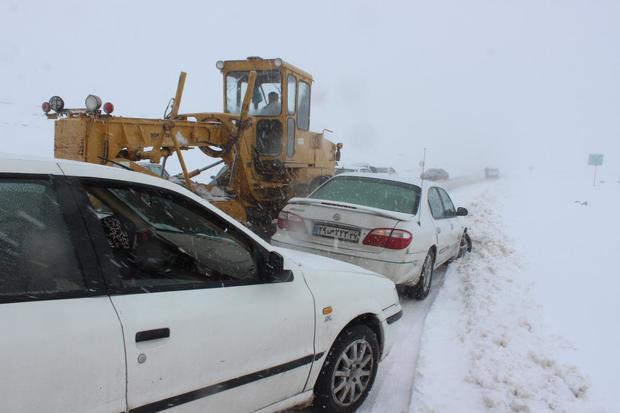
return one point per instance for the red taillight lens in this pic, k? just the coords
(394, 239)
(108, 108)
(46, 107)
(290, 221)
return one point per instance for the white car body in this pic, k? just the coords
(250, 347)
(403, 266)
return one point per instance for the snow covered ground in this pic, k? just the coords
(529, 321)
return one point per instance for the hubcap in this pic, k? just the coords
(352, 373)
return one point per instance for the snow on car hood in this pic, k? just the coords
(320, 263)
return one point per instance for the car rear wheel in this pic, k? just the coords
(348, 372)
(423, 287)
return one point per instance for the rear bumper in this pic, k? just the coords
(399, 272)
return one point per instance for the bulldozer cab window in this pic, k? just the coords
(303, 106)
(291, 93)
(267, 96)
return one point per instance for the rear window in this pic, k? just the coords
(376, 193)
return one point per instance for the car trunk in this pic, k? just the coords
(339, 225)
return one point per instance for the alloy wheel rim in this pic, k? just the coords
(352, 373)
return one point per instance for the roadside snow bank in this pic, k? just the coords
(484, 347)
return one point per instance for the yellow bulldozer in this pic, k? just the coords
(262, 137)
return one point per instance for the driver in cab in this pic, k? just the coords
(273, 107)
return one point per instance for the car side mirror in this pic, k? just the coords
(274, 268)
(461, 212)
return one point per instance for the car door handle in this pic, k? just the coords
(155, 334)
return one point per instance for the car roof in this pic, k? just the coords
(20, 164)
(384, 176)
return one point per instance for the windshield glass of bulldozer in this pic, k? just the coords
(267, 97)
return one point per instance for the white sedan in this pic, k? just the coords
(122, 292)
(380, 222)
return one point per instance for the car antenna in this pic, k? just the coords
(422, 183)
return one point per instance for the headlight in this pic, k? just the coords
(93, 103)
(277, 62)
(219, 64)
(56, 103)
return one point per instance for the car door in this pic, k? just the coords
(452, 220)
(62, 345)
(204, 330)
(443, 231)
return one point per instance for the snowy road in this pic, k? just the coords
(392, 389)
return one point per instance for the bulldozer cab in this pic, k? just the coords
(280, 104)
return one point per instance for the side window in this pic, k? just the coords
(447, 203)
(434, 202)
(290, 143)
(291, 94)
(163, 241)
(37, 256)
(303, 106)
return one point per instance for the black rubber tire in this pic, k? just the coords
(324, 399)
(465, 239)
(420, 291)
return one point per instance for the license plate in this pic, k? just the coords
(340, 233)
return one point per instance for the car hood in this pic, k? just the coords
(320, 263)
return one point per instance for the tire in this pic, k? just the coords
(342, 386)
(423, 287)
(465, 245)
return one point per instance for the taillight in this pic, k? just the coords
(290, 221)
(394, 239)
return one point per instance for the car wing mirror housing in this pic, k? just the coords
(461, 212)
(274, 268)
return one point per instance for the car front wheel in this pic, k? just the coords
(465, 245)
(349, 371)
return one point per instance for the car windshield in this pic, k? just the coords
(163, 214)
(267, 97)
(376, 193)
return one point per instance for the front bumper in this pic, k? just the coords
(388, 326)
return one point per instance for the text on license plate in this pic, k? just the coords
(343, 234)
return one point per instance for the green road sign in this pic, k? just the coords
(595, 159)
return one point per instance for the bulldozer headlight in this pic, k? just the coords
(277, 62)
(45, 106)
(93, 103)
(219, 64)
(56, 103)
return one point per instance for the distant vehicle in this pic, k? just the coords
(156, 168)
(355, 167)
(435, 174)
(379, 222)
(131, 293)
(491, 173)
(385, 170)
(365, 168)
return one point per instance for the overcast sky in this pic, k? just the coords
(478, 83)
